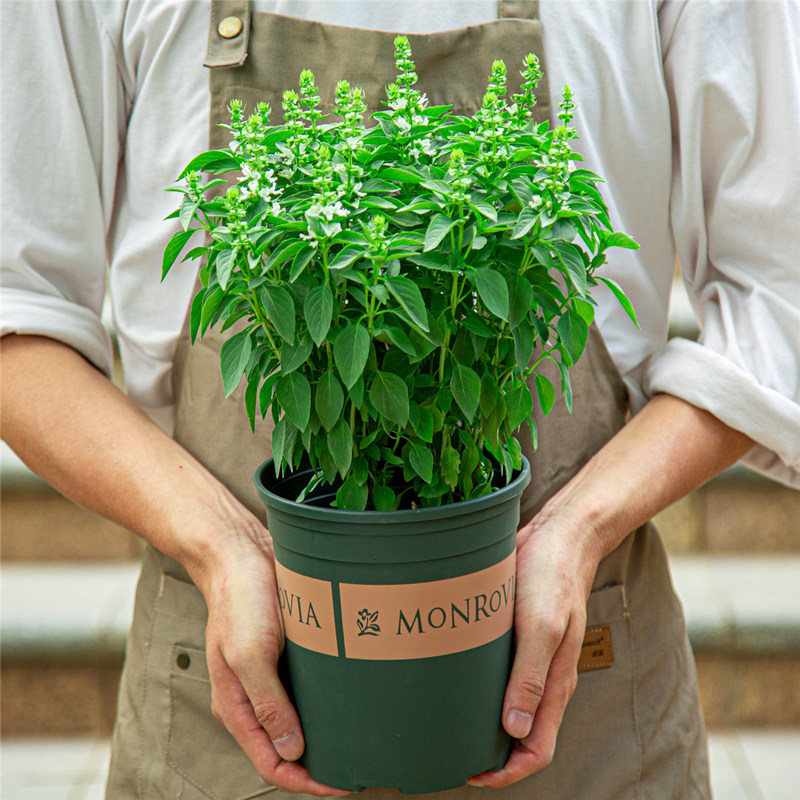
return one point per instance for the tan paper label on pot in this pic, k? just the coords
(435, 618)
(307, 610)
(596, 651)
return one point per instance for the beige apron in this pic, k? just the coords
(632, 729)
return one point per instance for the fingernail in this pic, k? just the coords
(288, 747)
(518, 723)
(474, 782)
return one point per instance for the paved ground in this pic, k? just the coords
(746, 765)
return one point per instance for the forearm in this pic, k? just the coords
(666, 451)
(85, 437)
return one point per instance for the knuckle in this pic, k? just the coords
(532, 687)
(268, 715)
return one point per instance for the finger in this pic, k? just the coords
(535, 751)
(255, 668)
(232, 706)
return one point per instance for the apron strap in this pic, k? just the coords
(518, 9)
(228, 33)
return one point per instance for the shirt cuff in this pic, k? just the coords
(709, 381)
(44, 315)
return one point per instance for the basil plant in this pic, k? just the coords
(391, 290)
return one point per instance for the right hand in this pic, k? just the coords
(244, 638)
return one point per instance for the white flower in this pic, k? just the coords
(277, 209)
(247, 171)
(535, 202)
(399, 104)
(403, 124)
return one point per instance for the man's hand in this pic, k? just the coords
(244, 638)
(554, 578)
(666, 451)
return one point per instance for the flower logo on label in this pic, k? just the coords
(368, 623)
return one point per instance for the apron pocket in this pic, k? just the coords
(199, 748)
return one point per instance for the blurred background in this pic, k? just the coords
(67, 581)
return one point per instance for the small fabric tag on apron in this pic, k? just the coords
(596, 651)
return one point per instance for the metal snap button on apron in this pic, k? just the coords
(230, 27)
(183, 660)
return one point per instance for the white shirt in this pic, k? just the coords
(689, 108)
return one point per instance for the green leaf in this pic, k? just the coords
(401, 174)
(340, 445)
(389, 395)
(300, 262)
(398, 338)
(188, 208)
(570, 256)
(278, 442)
(523, 343)
(195, 314)
(525, 221)
(485, 209)
(350, 352)
(408, 295)
(294, 394)
(493, 291)
(265, 394)
(619, 239)
(329, 400)
(233, 357)
(210, 305)
(423, 425)
(450, 466)
(279, 305)
(490, 391)
(250, 398)
(284, 251)
(438, 228)
(421, 459)
(546, 392)
(435, 261)
(352, 496)
(318, 311)
(294, 355)
(621, 297)
(466, 387)
(210, 161)
(225, 263)
(173, 249)
(519, 406)
(566, 385)
(383, 498)
(520, 299)
(574, 333)
(346, 256)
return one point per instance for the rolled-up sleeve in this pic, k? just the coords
(733, 74)
(59, 171)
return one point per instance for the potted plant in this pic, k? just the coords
(390, 293)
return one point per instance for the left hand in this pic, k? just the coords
(554, 578)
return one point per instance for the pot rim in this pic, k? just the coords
(510, 490)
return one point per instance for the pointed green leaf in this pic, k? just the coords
(573, 332)
(352, 496)
(383, 498)
(520, 299)
(350, 352)
(399, 339)
(173, 249)
(570, 256)
(250, 399)
(621, 297)
(318, 311)
(493, 291)
(435, 261)
(294, 394)
(546, 392)
(300, 262)
(233, 357)
(566, 385)
(389, 395)
(211, 161)
(294, 355)
(438, 228)
(466, 387)
(279, 305)
(619, 239)
(224, 264)
(284, 251)
(525, 221)
(346, 256)
(210, 305)
(485, 209)
(519, 406)
(490, 391)
(408, 295)
(278, 442)
(340, 445)
(329, 401)
(523, 343)
(188, 208)
(421, 460)
(450, 466)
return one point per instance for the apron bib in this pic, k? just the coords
(633, 728)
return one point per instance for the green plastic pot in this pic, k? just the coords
(399, 630)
